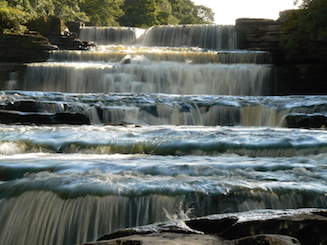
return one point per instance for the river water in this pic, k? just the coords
(174, 132)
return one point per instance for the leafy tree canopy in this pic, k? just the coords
(135, 13)
(306, 24)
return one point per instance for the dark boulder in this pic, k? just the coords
(264, 227)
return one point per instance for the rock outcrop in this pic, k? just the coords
(26, 47)
(43, 35)
(269, 227)
(303, 73)
(58, 33)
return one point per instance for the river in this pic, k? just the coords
(182, 125)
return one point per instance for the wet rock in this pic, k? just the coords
(266, 239)
(299, 120)
(18, 117)
(169, 238)
(210, 226)
(264, 227)
(308, 227)
(151, 109)
(70, 118)
(22, 105)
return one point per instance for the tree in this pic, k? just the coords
(186, 12)
(134, 13)
(204, 14)
(305, 25)
(139, 13)
(65, 9)
(164, 13)
(12, 18)
(103, 12)
(69, 10)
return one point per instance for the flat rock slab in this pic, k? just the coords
(264, 227)
(169, 238)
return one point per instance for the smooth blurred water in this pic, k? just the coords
(110, 177)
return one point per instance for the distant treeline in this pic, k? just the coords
(135, 13)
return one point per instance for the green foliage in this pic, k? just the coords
(139, 13)
(164, 13)
(189, 13)
(204, 14)
(146, 13)
(135, 13)
(12, 18)
(103, 12)
(305, 25)
(69, 10)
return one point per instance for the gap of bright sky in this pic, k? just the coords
(227, 11)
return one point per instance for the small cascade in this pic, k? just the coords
(145, 77)
(159, 109)
(11, 84)
(199, 66)
(111, 35)
(189, 55)
(216, 37)
(74, 220)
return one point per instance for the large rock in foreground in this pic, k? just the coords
(268, 227)
(170, 238)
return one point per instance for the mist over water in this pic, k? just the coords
(180, 124)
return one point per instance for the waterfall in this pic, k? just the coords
(186, 59)
(111, 35)
(190, 55)
(45, 218)
(166, 109)
(203, 36)
(170, 78)
(137, 163)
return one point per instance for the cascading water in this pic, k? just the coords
(184, 131)
(203, 36)
(111, 35)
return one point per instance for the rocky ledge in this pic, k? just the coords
(265, 227)
(34, 44)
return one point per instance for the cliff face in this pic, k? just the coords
(304, 73)
(24, 48)
(43, 35)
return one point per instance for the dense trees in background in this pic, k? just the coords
(101, 12)
(305, 25)
(145, 13)
(136, 13)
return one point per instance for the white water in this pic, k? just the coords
(190, 55)
(204, 36)
(111, 35)
(169, 78)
